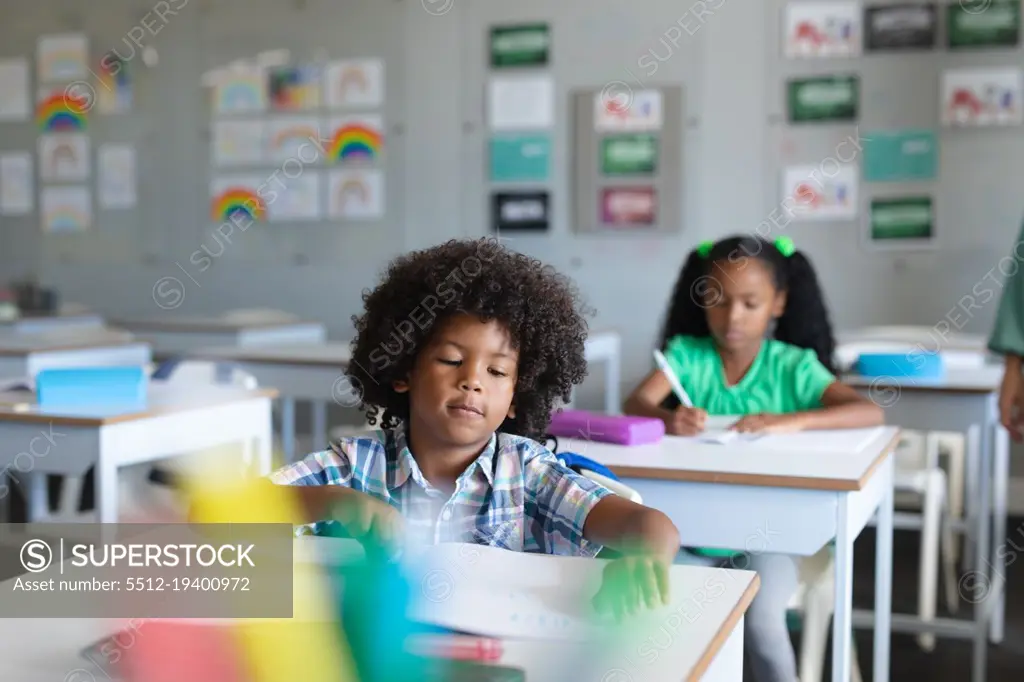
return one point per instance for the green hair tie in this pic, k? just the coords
(785, 246)
(704, 248)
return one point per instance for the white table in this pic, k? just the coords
(39, 323)
(24, 355)
(706, 640)
(967, 401)
(175, 335)
(314, 372)
(176, 420)
(792, 497)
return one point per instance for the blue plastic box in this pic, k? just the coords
(92, 387)
(913, 364)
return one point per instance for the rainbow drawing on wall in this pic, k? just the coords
(355, 194)
(62, 57)
(63, 157)
(237, 200)
(66, 209)
(240, 93)
(354, 83)
(62, 111)
(295, 138)
(356, 140)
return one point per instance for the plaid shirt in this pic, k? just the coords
(515, 495)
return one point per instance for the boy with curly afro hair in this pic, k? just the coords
(460, 355)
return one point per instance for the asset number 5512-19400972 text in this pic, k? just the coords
(204, 584)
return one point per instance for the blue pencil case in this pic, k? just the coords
(913, 364)
(86, 387)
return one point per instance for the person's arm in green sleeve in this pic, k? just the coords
(1007, 339)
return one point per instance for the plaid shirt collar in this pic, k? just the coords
(402, 465)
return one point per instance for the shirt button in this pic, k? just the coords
(446, 514)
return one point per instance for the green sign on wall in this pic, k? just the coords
(906, 218)
(995, 25)
(521, 45)
(827, 98)
(900, 155)
(629, 154)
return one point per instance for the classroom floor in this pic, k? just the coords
(951, 659)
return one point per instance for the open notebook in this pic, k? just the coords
(490, 592)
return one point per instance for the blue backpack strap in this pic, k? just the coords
(579, 462)
(166, 368)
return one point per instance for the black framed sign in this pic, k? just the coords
(520, 212)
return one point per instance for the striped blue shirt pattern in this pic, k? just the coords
(516, 494)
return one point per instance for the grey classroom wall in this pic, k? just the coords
(725, 54)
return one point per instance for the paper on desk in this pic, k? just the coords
(839, 440)
(726, 436)
(494, 592)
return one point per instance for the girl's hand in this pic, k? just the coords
(686, 421)
(768, 423)
(630, 583)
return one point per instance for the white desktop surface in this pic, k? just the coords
(704, 624)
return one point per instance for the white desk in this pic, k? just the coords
(704, 641)
(174, 335)
(314, 372)
(176, 421)
(791, 501)
(39, 324)
(966, 400)
(24, 355)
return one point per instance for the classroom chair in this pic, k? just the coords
(813, 600)
(919, 478)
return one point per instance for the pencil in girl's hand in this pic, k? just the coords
(677, 387)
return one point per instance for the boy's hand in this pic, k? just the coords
(768, 423)
(376, 525)
(630, 583)
(686, 421)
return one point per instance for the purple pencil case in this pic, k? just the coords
(606, 428)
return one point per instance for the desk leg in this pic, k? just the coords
(265, 444)
(37, 497)
(973, 453)
(976, 585)
(106, 491)
(319, 425)
(842, 617)
(288, 428)
(883, 584)
(1001, 449)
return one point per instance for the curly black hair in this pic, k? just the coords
(804, 322)
(540, 307)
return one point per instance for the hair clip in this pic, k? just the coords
(785, 246)
(704, 248)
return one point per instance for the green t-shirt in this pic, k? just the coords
(782, 379)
